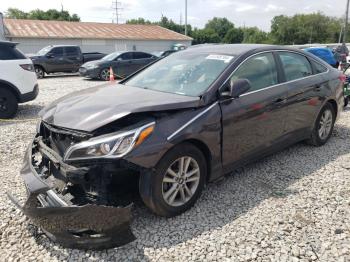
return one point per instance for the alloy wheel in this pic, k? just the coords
(325, 125)
(105, 74)
(180, 181)
(39, 72)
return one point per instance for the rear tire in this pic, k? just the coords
(167, 191)
(8, 104)
(323, 126)
(40, 73)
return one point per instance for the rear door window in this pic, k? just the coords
(72, 51)
(295, 66)
(10, 53)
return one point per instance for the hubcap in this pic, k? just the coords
(3, 104)
(105, 74)
(325, 126)
(180, 181)
(39, 72)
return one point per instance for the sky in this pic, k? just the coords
(241, 12)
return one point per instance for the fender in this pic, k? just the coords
(11, 87)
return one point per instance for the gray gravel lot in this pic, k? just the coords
(292, 206)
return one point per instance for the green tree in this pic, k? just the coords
(37, 14)
(220, 25)
(234, 35)
(203, 36)
(139, 21)
(16, 13)
(255, 36)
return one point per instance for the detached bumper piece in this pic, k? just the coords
(84, 227)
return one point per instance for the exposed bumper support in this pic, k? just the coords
(83, 227)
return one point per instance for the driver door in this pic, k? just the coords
(256, 120)
(124, 64)
(55, 60)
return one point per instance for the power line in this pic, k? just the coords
(116, 9)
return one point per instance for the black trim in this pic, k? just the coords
(10, 87)
(23, 98)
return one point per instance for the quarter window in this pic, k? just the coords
(260, 70)
(295, 66)
(319, 68)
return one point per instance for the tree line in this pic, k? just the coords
(285, 30)
(37, 14)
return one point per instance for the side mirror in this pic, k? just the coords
(119, 59)
(237, 88)
(49, 55)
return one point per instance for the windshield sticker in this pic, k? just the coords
(225, 58)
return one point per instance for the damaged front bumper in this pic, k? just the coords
(89, 226)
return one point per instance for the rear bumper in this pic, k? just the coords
(29, 96)
(83, 227)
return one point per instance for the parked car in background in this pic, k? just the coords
(163, 54)
(176, 125)
(325, 54)
(122, 63)
(61, 58)
(18, 82)
(347, 85)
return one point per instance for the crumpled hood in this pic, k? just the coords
(95, 107)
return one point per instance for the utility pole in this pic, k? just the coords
(116, 9)
(346, 22)
(186, 17)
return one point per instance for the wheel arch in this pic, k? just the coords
(11, 88)
(204, 149)
(334, 105)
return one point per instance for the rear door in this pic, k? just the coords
(255, 121)
(73, 58)
(141, 59)
(305, 83)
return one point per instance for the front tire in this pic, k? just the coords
(8, 104)
(105, 74)
(323, 126)
(177, 181)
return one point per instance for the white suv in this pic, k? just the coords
(18, 82)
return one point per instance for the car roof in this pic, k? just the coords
(8, 43)
(235, 49)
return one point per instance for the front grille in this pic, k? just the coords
(60, 139)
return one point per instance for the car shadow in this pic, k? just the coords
(25, 113)
(223, 202)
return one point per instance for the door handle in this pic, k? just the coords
(279, 101)
(317, 88)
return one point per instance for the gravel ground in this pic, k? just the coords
(292, 206)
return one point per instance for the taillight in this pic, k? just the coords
(28, 67)
(342, 78)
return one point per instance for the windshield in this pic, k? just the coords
(44, 51)
(111, 57)
(182, 73)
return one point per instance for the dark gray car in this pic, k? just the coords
(123, 65)
(176, 125)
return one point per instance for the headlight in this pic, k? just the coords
(109, 146)
(91, 66)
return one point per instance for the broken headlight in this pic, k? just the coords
(109, 146)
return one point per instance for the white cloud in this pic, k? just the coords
(245, 8)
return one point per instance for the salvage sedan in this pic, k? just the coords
(176, 125)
